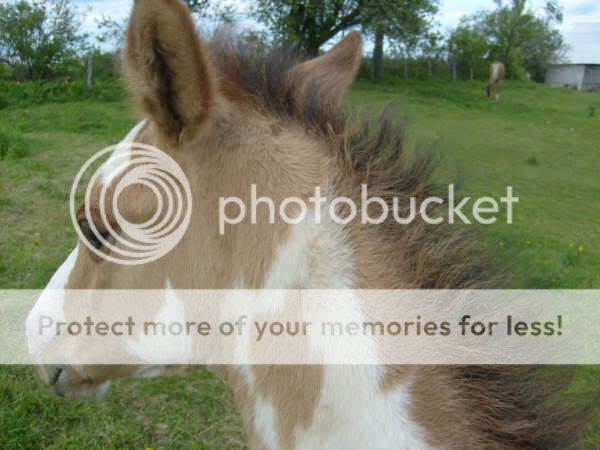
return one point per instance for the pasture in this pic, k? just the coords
(542, 141)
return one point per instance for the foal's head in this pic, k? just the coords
(229, 121)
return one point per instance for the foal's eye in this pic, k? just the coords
(91, 237)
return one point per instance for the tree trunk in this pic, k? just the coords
(378, 54)
(471, 73)
(429, 71)
(454, 71)
(312, 49)
(406, 68)
(90, 71)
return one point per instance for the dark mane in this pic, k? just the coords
(509, 407)
(260, 79)
(372, 153)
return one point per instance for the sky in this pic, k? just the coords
(581, 26)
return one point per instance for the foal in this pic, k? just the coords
(497, 74)
(231, 118)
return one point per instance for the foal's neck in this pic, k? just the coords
(324, 406)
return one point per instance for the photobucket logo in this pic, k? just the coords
(107, 233)
(371, 211)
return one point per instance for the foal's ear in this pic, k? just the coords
(167, 65)
(331, 74)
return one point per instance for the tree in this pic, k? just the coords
(111, 33)
(541, 45)
(196, 5)
(515, 35)
(431, 48)
(523, 40)
(39, 38)
(404, 21)
(220, 11)
(308, 24)
(468, 46)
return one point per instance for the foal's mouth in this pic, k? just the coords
(68, 383)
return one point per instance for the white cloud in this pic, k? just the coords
(451, 11)
(584, 39)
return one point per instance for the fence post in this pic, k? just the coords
(90, 71)
(429, 72)
(453, 71)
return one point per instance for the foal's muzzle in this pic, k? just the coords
(70, 381)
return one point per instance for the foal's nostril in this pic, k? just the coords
(54, 374)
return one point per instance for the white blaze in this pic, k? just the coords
(52, 299)
(117, 163)
(50, 304)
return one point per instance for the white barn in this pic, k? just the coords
(584, 77)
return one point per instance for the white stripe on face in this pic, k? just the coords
(51, 301)
(116, 163)
(49, 304)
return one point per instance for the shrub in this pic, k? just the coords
(22, 95)
(12, 143)
(4, 103)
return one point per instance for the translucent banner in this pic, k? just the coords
(204, 327)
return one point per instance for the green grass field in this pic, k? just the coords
(545, 142)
